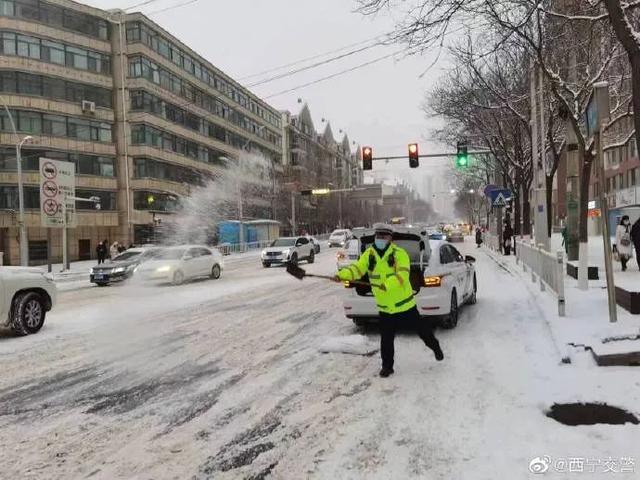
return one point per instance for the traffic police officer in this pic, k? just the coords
(388, 267)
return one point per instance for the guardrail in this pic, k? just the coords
(229, 248)
(548, 269)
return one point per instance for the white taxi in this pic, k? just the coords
(442, 279)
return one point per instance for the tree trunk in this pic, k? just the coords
(516, 215)
(587, 162)
(635, 82)
(526, 211)
(622, 26)
(549, 195)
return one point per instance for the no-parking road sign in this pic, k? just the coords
(57, 183)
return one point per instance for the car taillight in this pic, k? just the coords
(340, 256)
(434, 281)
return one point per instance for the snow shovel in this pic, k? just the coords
(299, 273)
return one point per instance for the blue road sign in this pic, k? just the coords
(499, 197)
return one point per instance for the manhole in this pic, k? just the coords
(590, 414)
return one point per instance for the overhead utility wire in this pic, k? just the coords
(141, 4)
(173, 7)
(314, 65)
(337, 74)
(319, 55)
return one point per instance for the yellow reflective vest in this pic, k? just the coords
(392, 271)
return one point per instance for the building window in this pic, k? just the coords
(52, 52)
(155, 201)
(156, 169)
(142, 33)
(55, 16)
(107, 199)
(142, 134)
(85, 164)
(37, 123)
(53, 88)
(620, 181)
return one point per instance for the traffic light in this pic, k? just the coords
(367, 158)
(462, 157)
(150, 200)
(414, 156)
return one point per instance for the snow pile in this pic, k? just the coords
(352, 344)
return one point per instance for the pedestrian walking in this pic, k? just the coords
(388, 267)
(623, 241)
(113, 251)
(507, 238)
(101, 251)
(635, 238)
(478, 236)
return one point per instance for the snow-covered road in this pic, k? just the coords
(223, 379)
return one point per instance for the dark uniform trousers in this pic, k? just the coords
(391, 322)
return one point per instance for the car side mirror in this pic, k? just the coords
(469, 259)
(187, 257)
(298, 244)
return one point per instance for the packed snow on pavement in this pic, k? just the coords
(225, 379)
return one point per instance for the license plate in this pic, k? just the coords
(98, 276)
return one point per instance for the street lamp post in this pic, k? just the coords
(24, 249)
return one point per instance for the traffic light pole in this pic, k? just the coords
(432, 155)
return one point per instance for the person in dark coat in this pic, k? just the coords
(101, 251)
(635, 238)
(507, 238)
(478, 236)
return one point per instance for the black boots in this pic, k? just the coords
(385, 372)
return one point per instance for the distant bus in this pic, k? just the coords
(399, 221)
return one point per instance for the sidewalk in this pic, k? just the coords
(587, 315)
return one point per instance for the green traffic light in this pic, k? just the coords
(462, 161)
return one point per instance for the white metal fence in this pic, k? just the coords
(547, 267)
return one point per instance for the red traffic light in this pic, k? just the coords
(367, 158)
(414, 155)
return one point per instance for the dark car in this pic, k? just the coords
(121, 267)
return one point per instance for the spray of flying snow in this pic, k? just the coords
(205, 207)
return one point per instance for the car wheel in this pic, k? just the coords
(178, 278)
(474, 295)
(312, 257)
(28, 312)
(294, 259)
(215, 272)
(452, 319)
(266, 265)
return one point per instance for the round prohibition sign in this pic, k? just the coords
(49, 170)
(50, 207)
(50, 189)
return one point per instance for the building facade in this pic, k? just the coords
(315, 159)
(144, 118)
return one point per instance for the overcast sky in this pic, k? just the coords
(378, 105)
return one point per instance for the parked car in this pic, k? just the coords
(122, 266)
(179, 264)
(316, 243)
(338, 238)
(442, 279)
(288, 250)
(455, 236)
(26, 295)
(349, 254)
(435, 235)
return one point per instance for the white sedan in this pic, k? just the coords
(177, 264)
(441, 286)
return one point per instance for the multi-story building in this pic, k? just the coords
(143, 117)
(316, 160)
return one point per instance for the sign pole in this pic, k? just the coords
(65, 252)
(49, 267)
